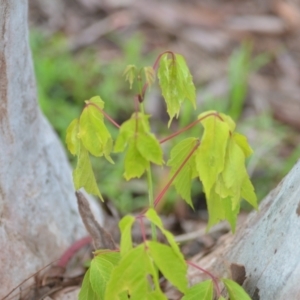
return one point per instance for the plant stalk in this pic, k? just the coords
(150, 189)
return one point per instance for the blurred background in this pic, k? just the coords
(244, 57)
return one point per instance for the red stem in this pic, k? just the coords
(143, 230)
(69, 253)
(110, 119)
(189, 126)
(214, 279)
(164, 190)
(155, 65)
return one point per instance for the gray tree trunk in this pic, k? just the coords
(38, 211)
(267, 245)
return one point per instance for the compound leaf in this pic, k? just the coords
(100, 270)
(131, 276)
(142, 146)
(203, 291)
(168, 262)
(235, 291)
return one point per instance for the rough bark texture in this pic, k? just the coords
(38, 210)
(267, 245)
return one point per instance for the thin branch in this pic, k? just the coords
(189, 126)
(214, 279)
(155, 66)
(69, 253)
(164, 190)
(109, 118)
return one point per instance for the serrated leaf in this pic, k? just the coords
(228, 120)
(182, 181)
(176, 83)
(241, 140)
(248, 192)
(125, 226)
(234, 172)
(71, 138)
(235, 291)
(235, 175)
(152, 216)
(142, 146)
(168, 262)
(86, 291)
(210, 155)
(83, 175)
(135, 164)
(220, 209)
(131, 276)
(149, 75)
(100, 270)
(203, 291)
(149, 147)
(130, 73)
(92, 130)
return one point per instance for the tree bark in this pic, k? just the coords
(38, 210)
(267, 245)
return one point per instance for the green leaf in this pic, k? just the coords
(135, 164)
(176, 83)
(248, 192)
(86, 291)
(210, 155)
(149, 147)
(168, 262)
(228, 120)
(93, 132)
(125, 226)
(71, 138)
(130, 73)
(234, 171)
(149, 75)
(131, 276)
(100, 270)
(203, 291)
(182, 181)
(152, 216)
(83, 175)
(142, 146)
(241, 140)
(156, 295)
(235, 291)
(221, 209)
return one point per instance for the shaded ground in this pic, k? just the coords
(206, 33)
